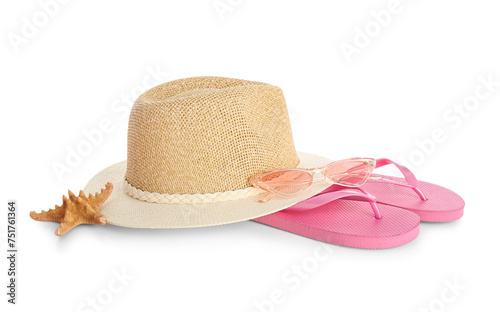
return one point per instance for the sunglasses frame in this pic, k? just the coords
(256, 180)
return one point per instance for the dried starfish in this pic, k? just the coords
(76, 210)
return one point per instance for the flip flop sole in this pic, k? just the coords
(349, 223)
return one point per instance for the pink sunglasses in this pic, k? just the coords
(351, 172)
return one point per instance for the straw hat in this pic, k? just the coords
(192, 145)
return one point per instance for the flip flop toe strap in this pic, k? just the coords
(411, 180)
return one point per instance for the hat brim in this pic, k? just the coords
(123, 210)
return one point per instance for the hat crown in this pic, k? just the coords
(207, 135)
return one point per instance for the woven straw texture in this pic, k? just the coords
(192, 145)
(207, 135)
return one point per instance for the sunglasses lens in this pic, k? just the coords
(288, 182)
(349, 173)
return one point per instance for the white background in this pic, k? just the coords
(73, 71)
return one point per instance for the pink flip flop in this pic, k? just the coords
(431, 202)
(361, 223)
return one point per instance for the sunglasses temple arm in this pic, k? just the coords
(267, 198)
(369, 178)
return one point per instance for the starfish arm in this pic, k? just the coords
(98, 199)
(56, 214)
(76, 210)
(63, 229)
(103, 195)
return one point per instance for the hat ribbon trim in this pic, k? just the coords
(152, 197)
